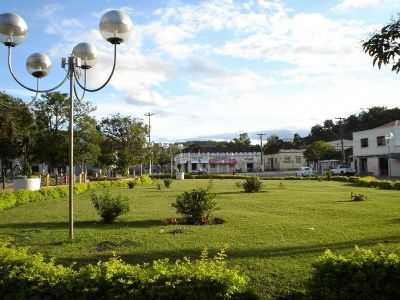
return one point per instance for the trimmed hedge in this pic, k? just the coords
(367, 181)
(29, 276)
(360, 275)
(12, 199)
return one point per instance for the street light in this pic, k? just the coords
(115, 27)
(388, 138)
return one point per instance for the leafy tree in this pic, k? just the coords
(243, 139)
(125, 140)
(384, 47)
(51, 112)
(321, 150)
(87, 142)
(17, 131)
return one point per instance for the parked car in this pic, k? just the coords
(343, 170)
(305, 171)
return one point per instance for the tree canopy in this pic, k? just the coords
(384, 47)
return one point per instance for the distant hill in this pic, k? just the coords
(285, 134)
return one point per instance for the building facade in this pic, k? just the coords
(218, 162)
(377, 151)
(285, 159)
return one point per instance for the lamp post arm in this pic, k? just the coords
(84, 91)
(26, 87)
(107, 81)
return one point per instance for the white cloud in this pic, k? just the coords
(355, 4)
(218, 57)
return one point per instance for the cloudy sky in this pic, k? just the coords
(215, 66)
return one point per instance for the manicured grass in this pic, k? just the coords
(272, 236)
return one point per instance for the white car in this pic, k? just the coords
(305, 171)
(343, 170)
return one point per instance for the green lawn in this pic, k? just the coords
(272, 236)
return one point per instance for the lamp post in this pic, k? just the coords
(115, 27)
(388, 138)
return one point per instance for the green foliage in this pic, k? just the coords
(360, 275)
(252, 184)
(132, 184)
(168, 182)
(382, 48)
(29, 276)
(385, 185)
(357, 197)
(145, 180)
(196, 206)
(7, 200)
(320, 150)
(109, 207)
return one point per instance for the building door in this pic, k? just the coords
(363, 166)
(271, 160)
(383, 166)
(250, 167)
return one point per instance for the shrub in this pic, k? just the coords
(360, 275)
(252, 184)
(132, 184)
(396, 185)
(29, 276)
(109, 207)
(145, 180)
(7, 200)
(357, 197)
(196, 206)
(385, 185)
(167, 182)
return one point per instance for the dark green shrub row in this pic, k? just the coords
(29, 276)
(360, 275)
(368, 181)
(12, 199)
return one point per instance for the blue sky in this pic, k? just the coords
(215, 66)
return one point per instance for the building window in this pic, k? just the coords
(381, 141)
(364, 143)
(286, 159)
(298, 159)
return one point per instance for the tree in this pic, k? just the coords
(17, 131)
(51, 112)
(274, 145)
(242, 140)
(125, 139)
(383, 46)
(321, 150)
(87, 140)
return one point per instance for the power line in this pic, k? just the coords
(149, 115)
(341, 119)
(261, 135)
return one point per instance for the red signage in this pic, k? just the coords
(231, 162)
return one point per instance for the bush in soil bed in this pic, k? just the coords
(252, 185)
(108, 206)
(196, 206)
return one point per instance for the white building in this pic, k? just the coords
(218, 162)
(285, 159)
(377, 151)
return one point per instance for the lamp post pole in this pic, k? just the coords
(388, 139)
(115, 27)
(149, 115)
(71, 178)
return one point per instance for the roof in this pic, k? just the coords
(395, 123)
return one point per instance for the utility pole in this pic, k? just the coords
(261, 135)
(340, 119)
(149, 115)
